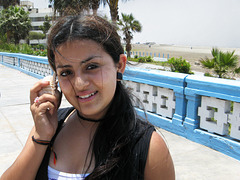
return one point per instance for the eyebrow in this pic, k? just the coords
(63, 66)
(89, 59)
(82, 62)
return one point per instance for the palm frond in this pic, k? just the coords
(207, 63)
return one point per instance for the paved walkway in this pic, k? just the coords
(192, 161)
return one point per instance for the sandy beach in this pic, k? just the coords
(191, 54)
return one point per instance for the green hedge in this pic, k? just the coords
(180, 65)
(23, 48)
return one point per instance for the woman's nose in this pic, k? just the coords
(81, 82)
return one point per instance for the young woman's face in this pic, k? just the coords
(87, 76)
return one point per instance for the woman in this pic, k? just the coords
(100, 137)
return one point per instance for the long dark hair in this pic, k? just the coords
(112, 143)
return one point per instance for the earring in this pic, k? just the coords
(119, 76)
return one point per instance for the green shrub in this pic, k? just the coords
(11, 47)
(136, 56)
(40, 52)
(38, 46)
(36, 35)
(26, 49)
(208, 74)
(19, 48)
(149, 59)
(179, 65)
(3, 38)
(142, 59)
(145, 59)
(23, 48)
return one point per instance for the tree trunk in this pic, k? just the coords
(16, 40)
(95, 12)
(8, 36)
(114, 14)
(95, 5)
(128, 49)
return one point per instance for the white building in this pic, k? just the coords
(37, 17)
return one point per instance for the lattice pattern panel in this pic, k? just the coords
(154, 99)
(36, 67)
(216, 115)
(234, 120)
(10, 60)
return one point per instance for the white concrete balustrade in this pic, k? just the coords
(10, 60)
(154, 99)
(213, 114)
(234, 120)
(36, 67)
(33, 65)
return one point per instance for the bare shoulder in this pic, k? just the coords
(159, 163)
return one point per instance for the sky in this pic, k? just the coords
(182, 22)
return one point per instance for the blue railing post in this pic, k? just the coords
(191, 121)
(180, 112)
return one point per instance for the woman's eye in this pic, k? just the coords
(92, 66)
(65, 73)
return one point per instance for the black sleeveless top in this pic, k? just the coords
(143, 133)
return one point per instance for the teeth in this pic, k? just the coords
(87, 96)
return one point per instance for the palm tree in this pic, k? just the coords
(7, 3)
(129, 25)
(113, 6)
(69, 7)
(66, 7)
(222, 63)
(94, 5)
(57, 4)
(15, 22)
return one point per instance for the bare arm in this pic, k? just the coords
(45, 119)
(159, 165)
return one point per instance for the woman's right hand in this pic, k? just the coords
(44, 111)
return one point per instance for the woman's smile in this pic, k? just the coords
(87, 97)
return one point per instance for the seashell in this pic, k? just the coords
(52, 87)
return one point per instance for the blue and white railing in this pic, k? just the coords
(36, 66)
(203, 109)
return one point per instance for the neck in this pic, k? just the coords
(88, 119)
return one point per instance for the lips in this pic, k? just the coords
(87, 96)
